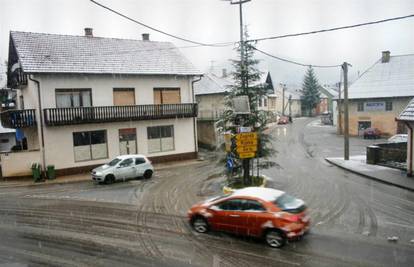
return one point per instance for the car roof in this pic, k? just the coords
(267, 194)
(130, 156)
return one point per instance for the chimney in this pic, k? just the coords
(385, 57)
(224, 73)
(88, 32)
(145, 37)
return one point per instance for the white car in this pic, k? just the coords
(123, 167)
(398, 138)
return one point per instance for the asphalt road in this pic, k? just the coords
(143, 223)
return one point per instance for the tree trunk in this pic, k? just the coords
(246, 171)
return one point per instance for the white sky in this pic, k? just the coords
(213, 21)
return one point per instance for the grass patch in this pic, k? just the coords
(237, 182)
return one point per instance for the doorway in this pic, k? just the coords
(127, 141)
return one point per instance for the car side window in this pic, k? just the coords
(139, 161)
(126, 162)
(252, 205)
(232, 204)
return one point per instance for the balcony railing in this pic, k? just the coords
(82, 115)
(18, 118)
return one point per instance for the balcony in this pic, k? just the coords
(83, 115)
(18, 118)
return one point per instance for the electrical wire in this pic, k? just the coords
(157, 30)
(294, 62)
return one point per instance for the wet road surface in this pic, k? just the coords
(143, 223)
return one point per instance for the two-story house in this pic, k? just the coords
(83, 100)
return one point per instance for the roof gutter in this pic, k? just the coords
(194, 118)
(42, 139)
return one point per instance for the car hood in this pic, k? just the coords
(102, 168)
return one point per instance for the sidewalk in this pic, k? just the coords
(358, 165)
(16, 182)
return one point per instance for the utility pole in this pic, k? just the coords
(346, 113)
(245, 162)
(290, 107)
(283, 99)
(340, 109)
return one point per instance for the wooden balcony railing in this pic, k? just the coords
(82, 115)
(18, 118)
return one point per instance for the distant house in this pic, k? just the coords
(407, 117)
(288, 100)
(380, 94)
(82, 100)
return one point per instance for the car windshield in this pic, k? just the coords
(114, 162)
(289, 203)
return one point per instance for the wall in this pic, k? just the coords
(18, 163)
(11, 141)
(383, 120)
(210, 106)
(207, 136)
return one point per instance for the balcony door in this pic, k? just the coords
(127, 141)
(167, 96)
(124, 97)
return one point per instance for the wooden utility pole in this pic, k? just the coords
(346, 113)
(340, 109)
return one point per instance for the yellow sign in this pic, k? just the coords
(246, 155)
(244, 149)
(246, 136)
(247, 142)
(227, 142)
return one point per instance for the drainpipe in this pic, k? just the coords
(410, 158)
(194, 118)
(42, 139)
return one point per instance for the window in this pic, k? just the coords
(167, 96)
(388, 105)
(232, 204)
(124, 96)
(139, 161)
(160, 138)
(90, 145)
(70, 98)
(126, 162)
(265, 102)
(252, 205)
(360, 106)
(4, 141)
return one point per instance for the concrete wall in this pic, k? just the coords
(207, 135)
(383, 120)
(210, 106)
(18, 163)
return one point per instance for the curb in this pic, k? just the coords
(229, 190)
(369, 176)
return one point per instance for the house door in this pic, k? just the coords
(127, 141)
(362, 125)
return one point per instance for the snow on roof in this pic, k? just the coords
(212, 84)
(267, 194)
(6, 130)
(53, 53)
(392, 79)
(408, 113)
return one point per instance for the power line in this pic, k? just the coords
(294, 62)
(331, 29)
(157, 30)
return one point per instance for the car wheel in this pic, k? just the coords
(109, 179)
(147, 174)
(200, 225)
(275, 238)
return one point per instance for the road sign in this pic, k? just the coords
(244, 149)
(246, 155)
(227, 142)
(246, 136)
(246, 142)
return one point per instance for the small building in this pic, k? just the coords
(407, 117)
(288, 101)
(380, 94)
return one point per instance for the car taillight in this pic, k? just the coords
(292, 218)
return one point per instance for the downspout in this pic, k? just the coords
(42, 139)
(194, 118)
(410, 158)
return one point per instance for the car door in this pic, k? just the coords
(140, 166)
(257, 216)
(230, 217)
(126, 169)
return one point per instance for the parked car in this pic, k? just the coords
(255, 211)
(123, 167)
(372, 133)
(398, 138)
(283, 120)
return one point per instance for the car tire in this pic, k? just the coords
(147, 174)
(275, 238)
(200, 225)
(109, 179)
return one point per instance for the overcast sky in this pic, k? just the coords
(212, 21)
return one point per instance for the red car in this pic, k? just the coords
(254, 211)
(372, 133)
(283, 120)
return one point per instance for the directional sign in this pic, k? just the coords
(246, 143)
(244, 149)
(246, 136)
(246, 155)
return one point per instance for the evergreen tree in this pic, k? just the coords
(247, 83)
(310, 92)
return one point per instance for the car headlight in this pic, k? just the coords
(98, 173)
